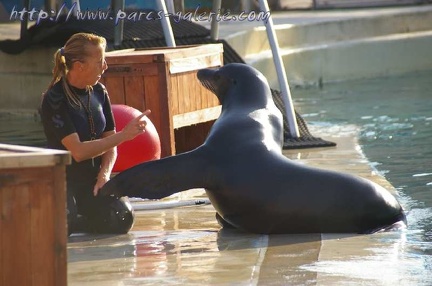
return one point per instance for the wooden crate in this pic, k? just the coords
(33, 232)
(164, 80)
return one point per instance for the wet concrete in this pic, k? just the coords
(186, 246)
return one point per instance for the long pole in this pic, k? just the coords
(118, 30)
(214, 29)
(283, 82)
(170, 6)
(166, 25)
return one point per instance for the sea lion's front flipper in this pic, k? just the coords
(161, 178)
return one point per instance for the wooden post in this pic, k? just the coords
(33, 233)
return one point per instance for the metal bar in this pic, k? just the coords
(179, 4)
(214, 28)
(24, 22)
(245, 5)
(283, 82)
(166, 25)
(157, 205)
(170, 6)
(118, 29)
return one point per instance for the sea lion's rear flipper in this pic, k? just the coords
(160, 178)
(223, 223)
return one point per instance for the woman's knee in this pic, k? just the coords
(112, 215)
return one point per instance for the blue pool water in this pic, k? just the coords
(394, 116)
(394, 119)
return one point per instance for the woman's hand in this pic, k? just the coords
(101, 180)
(136, 126)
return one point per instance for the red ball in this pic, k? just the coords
(144, 147)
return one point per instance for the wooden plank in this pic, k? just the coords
(14, 156)
(129, 56)
(198, 89)
(180, 140)
(156, 99)
(42, 249)
(198, 116)
(151, 98)
(28, 160)
(60, 224)
(115, 88)
(184, 96)
(191, 136)
(207, 97)
(8, 148)
(134, 92)
(213, 98)
(166, 54)
(189, 81)
(174, 94)
(15, 215)
(193, 52)
(194, 135)
(137, 68)
(194, 97)
(166, 133)
(194, 62)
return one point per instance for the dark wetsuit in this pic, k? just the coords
(61, 119)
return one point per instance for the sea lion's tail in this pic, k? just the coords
(398, 222)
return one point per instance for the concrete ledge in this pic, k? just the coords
(335, 46)
(37, 60)
(329, 30)
(346, 60)
(24, 77)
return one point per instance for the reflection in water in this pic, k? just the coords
(222, 257)
(141, 255)
(395, 122)
(379, 259)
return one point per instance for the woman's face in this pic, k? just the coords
(94, 65)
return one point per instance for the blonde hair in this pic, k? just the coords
(75, 49)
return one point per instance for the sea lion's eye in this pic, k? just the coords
(233, 81)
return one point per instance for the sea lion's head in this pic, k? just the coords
(236, 82)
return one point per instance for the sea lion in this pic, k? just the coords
(250, 183)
